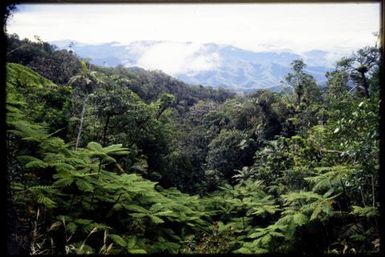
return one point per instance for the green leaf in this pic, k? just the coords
(156, 219)
(64, 182)
(137, 251)
(317, 210)
(118, 240)
(84, 186)
(36, 164)
(71, 227)
(328, 193)
(265, 240)
(135, 208)
(45, 201)
(260, 232)
(131, 243)
(368, 211)
(299, 219)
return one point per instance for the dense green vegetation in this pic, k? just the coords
(123, 160)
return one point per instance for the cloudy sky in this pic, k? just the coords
(299, 27)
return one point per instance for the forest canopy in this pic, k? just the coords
(124, 160)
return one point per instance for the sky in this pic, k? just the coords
(338, 28)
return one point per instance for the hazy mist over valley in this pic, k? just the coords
(208, 64)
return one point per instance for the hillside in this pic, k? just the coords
(60, 65)
(205, 64)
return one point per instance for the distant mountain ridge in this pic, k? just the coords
(205, 64)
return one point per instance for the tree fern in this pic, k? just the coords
(43, 195)
(367, 211)
(331, 177)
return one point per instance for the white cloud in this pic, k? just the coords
(176, 58)
(299, 27)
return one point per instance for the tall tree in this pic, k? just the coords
(361, 63)
(302, 83)
(84, 83)
(337, 83)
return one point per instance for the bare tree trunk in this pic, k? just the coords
(373, 192)
(81, 122)
(365, 84)
(105, 129)
(299, 95)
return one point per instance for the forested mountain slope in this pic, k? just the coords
(60, 65)
(210, 64)
(117, 161)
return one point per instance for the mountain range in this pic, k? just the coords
(208, 64)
